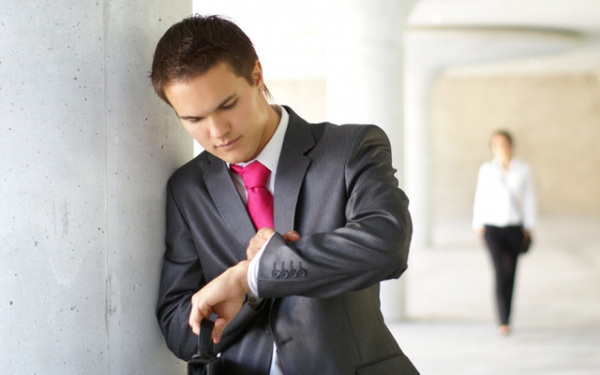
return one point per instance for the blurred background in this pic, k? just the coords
(86, 149)
(469, 67)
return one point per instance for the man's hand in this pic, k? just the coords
(262, 236)
(257, 242)
(223, 296)
(291, 236)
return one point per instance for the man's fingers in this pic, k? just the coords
(291, 236)
(199, 311)
(194, 321)
(220, 325)
(224, 296)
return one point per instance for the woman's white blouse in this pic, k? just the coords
(493, 202)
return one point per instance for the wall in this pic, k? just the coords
(555, 120)
(86, 148)
(308, 97)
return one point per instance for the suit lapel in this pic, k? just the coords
(228, 202)
(291, 170)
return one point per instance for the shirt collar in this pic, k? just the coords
(269, 156)
(514, 162)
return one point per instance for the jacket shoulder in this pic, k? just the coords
(328, 133)
(190, 171)
(347, 133)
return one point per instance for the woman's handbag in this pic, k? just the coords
(514, 200)
(526, 243)
(205, 362)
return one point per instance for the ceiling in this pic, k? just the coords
(575, 15)
(297, 28)
(570, 17)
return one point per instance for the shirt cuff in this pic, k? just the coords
(253, 268)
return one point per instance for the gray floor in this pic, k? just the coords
(556, 314)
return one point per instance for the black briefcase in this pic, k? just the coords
(205, 362)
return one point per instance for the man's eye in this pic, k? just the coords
(195, 120)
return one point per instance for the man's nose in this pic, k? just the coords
(219, 127)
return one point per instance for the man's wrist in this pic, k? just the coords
(241, 275)
(254, 265)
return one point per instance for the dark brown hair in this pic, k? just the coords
(191, 47)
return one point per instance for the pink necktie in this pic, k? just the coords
(260, 200)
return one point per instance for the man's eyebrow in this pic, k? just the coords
(217, 107)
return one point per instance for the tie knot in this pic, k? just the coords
(254, 174)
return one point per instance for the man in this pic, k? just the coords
(301, 294)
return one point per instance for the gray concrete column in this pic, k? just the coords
(429, 52)
(85, 151)
(365, 85)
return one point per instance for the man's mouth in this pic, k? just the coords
(229, 145)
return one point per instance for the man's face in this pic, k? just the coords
(223, 112)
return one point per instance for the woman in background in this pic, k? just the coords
(504, 213)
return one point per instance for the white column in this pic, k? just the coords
(417, 159)
(364, 85)
(85, 151)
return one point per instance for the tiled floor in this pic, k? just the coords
(556, 315)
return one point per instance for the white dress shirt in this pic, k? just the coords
(504, 197)
(269, 157)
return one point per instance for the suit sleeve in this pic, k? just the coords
(181, 277)
(371, 247)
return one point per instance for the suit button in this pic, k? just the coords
(293, 273)
(284, 274)
(268, 330)
(301, 272)
(275, 274)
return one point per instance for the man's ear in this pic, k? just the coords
(257, 75)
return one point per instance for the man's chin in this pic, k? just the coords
(233, 159)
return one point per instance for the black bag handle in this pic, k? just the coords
(204, 338)
(204, 362)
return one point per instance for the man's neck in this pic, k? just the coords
(273, 118)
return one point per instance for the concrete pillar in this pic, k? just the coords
(428, 53)
(85, 151)
(364, 84)
(417, 159)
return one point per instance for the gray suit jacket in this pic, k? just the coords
(335, 185)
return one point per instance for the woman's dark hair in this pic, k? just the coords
(191, 47)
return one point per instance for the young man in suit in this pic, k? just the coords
(283, 229)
